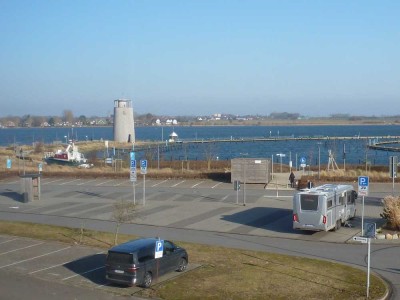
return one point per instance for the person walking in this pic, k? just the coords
(291, 179)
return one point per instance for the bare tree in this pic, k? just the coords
(68, 116)
(124, 212)
(209, 152)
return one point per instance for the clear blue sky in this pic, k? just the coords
(199, 57)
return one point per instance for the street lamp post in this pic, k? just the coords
(319, 160)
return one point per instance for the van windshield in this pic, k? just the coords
(309, 202)
(119, 258)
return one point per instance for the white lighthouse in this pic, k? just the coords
(124, 127)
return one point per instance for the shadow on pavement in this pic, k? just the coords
(91, 267)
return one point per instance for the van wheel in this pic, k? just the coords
(148, 279)
(338, 225)
(182, 265)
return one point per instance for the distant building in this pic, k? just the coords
(124, 127)
(173, 137)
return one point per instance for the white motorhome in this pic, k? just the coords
(324, 207)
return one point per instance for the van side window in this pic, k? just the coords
(341, 200)
(168, 247)
(329, 203)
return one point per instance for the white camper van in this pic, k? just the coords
(324, 207)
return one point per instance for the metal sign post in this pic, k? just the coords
(143, 171)
(363, 186)
(365, 240)
(133, 176)
(236, 187)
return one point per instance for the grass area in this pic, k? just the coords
(231, 273)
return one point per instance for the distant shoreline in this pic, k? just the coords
(235, 124)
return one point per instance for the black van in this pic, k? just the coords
(134, 262)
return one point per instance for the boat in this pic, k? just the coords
(70, 156)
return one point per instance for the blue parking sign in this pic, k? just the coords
(363, 180)
(133, 164)
(143, 166)
(159, 249)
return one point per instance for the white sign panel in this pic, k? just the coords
(361, 239)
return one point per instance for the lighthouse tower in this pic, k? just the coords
(124, 127)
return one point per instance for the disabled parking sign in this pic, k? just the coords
(159, 249)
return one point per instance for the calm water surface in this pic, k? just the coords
(356, 150)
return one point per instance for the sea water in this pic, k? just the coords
(353, 151)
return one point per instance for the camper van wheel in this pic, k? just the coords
(338, 224)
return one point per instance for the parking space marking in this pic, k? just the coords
(9, 241)
(216, 185)
(224, 198)
(178, 183)
(193, 186)
(159, 183)
(86, 182)
(13, 182)
(72, 276)
(51, 267)
(52, 181)
(30, 246)
(69, 181)
(122, 182)
(32, 258)
(101, 183)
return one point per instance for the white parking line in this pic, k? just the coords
(9, 241)
(122, 182)
(52, 181)
(86, 182)
(224, 198)
(13, 182)
(197, 184)
(22, 248)
(178, 183)
(216, 185)
(69, 181)
(69, 277)
(159, 183)
(32, 258)
(101, 183)
(51, 267)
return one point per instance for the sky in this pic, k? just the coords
(200, 57)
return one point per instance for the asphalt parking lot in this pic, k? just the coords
(73, 265)
(180, 204)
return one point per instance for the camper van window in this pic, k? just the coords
(341, 200)
(309, 202)
(329, 203)
(350, 198)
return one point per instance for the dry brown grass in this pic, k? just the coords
(227, 273)
(391, 212)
